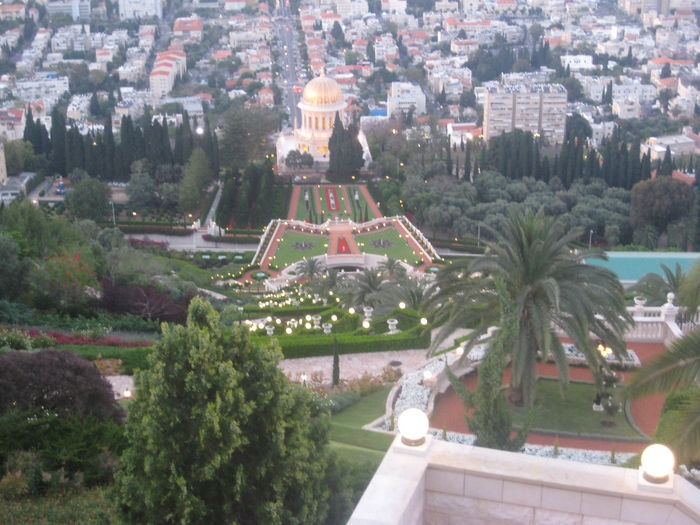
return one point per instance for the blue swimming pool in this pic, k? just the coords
(631, 266)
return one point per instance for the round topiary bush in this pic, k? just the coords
(56, 381)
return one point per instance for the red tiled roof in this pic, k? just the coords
(188, 24)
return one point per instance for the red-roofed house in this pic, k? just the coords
(11, 11)
(189, 29)
(328, 19)
(12, 123)
(266, 97)
(688, 178)
(669, 83)
(221, 54)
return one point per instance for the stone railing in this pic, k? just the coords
(265, 239)
(441, 482)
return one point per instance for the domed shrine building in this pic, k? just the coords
(320, 101)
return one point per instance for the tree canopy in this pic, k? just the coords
(217, 433)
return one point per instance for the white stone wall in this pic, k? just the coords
(442, 483)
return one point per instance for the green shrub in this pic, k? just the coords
(677, 398)
(342, 400)
(315, 344)
(118, 322)
(76, 445)
(15, 340)
(29, 466)
(12, 312)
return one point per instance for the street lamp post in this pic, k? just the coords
(590, 239)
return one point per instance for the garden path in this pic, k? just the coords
(372, 205)
(296, 190)
(336, 232)
(347, 201)
(351, 365)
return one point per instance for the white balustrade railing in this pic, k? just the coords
(267, 236)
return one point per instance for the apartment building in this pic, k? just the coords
(403, 96)
(539, 108)
(130, 9)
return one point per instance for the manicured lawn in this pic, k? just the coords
(341, 212)
(346, 426)
(202, 277)
(574, 414)
(363, 203)
(356, 455)
(87, 507)
(289, 251)
(302, 214)
(133, 358)
(387, 242)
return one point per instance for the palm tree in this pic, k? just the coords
(654, 287)
(310, 267)
(414, 292)
(678, 367)
(552, 289)
(364, 287)
(392, 268)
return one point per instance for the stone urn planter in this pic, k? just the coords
(392, 324)
(327, 327)
(640, 301)
(368, 310)
(270, 329)
(317, 321)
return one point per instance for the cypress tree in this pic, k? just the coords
(29, 128)
(187, 138)
(166, 151)
(336, 362)
(634, 164)
(57, 160)
(667, 164)
(645, 171)
(179, 145)
(108, 168)
(449, 160)
(336, 142)
(467, 160)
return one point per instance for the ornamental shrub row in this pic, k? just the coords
(233, 239)
(154, 229)
(315, 344)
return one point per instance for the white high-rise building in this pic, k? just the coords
(539, 108)
(129, 9)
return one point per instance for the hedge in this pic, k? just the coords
(33, 183)
(233, 239)
(295, 346)
(294, 311)
(163, 230)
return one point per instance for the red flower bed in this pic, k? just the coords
(343, 246)
(332, 199)
(65, 339)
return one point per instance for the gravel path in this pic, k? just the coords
(320, 369)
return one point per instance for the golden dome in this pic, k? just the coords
(322, 90)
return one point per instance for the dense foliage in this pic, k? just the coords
(218, 434)
(55, 381)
